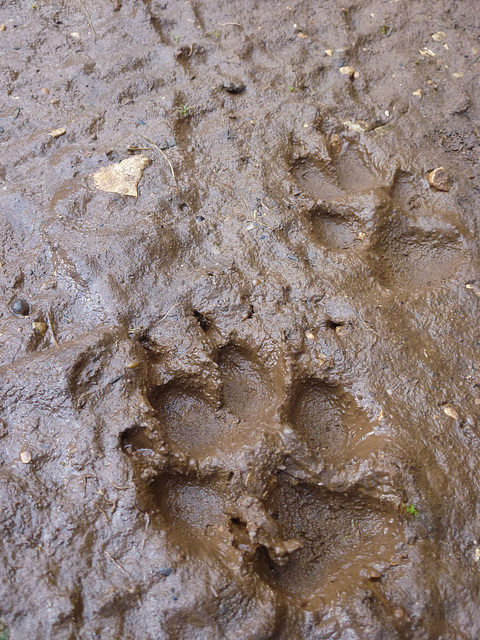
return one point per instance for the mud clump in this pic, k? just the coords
(239, 368)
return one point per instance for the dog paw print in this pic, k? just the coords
(269, 513)
(409, 237)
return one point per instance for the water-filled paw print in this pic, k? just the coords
(344, 185)
(275, 516)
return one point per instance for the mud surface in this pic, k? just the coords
(244, 404)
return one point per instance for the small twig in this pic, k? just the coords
(50, 325)
(264, 225)
(226, 24)
(30, 539)
(84, 395)
(136, 330)
(119, 488)
(115, 562)
(104, 512)
(173, 305)
(85, 478)
(163, 154)
(87, 13)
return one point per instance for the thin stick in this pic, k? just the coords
(163, 154)
(264, 225)
(173, 305)
(87, 13)
(49, 318)
(118, 565)
(226, 24)
(103, 511)
(120, 488)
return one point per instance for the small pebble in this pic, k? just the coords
(309, 335)
(439, 179)
(347, 71)
(450, 412)
(133, 365)
(374, 574)
(25, 457)
(20, 307)
(45, 91)
(56, 133)
(166, 571)
(399, 613)
(2, 27)
(199, 218)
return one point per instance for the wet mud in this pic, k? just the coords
(245, 403)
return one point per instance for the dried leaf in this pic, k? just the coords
(123, 177)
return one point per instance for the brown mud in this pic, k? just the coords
(245, 404)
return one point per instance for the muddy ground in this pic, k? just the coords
(245, 404)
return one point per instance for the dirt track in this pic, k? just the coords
(245, 404)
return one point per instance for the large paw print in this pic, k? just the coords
(243, 483)
(409, 237)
